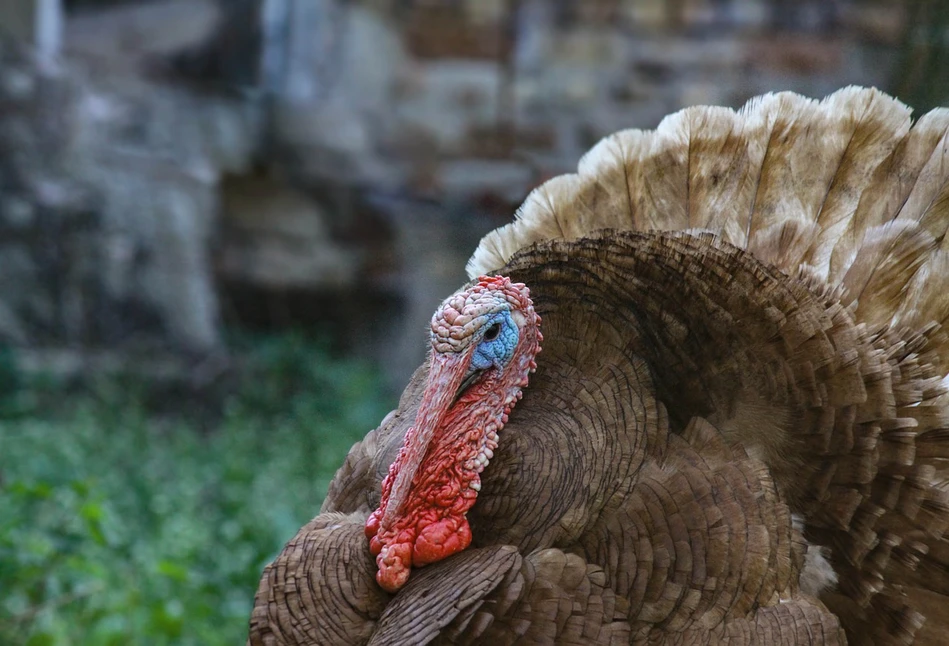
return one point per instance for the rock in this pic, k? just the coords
(121, 37)
(474, 179)
(434, 32)
(17, 84)
(798, 54)
(647, 14)
(370, 61)
(38, 23)
(275, 237)
(881, 24)
(17, 213)
(109, 204)
(159, 221)
(449, 98)
(332, 109)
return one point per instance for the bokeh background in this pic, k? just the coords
(224, 226)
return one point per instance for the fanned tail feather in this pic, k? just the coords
(849, 196)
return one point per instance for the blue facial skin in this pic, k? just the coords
(495, 352)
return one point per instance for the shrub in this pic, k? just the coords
(120, 528)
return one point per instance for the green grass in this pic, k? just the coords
(120, 528)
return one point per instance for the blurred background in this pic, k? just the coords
(224, 227)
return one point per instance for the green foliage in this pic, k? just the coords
(120, 528)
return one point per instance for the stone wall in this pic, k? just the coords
(109, 204)
(454, 100)
(314, 160)
(481, 101)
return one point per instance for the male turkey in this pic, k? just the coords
(738, 427)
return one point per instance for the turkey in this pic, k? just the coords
(695, 394)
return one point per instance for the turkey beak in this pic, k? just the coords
(466, 382)
(445, 377)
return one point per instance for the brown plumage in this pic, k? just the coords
(737, 430)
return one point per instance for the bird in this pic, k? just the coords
(695, 393)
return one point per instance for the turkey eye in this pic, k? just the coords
(492, 332)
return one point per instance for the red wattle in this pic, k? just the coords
(441, 539)
(395, 565)
(372, 525)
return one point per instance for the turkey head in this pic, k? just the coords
(484, 340)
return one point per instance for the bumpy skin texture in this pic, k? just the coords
(489, 335)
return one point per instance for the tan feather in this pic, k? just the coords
(868, 126)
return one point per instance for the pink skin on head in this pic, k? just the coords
(435, 478)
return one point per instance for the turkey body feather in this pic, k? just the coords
(737, 427)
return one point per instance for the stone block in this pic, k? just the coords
(474, 179)
(276, 237)
(448, 99)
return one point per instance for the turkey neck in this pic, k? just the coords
(463, 445)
